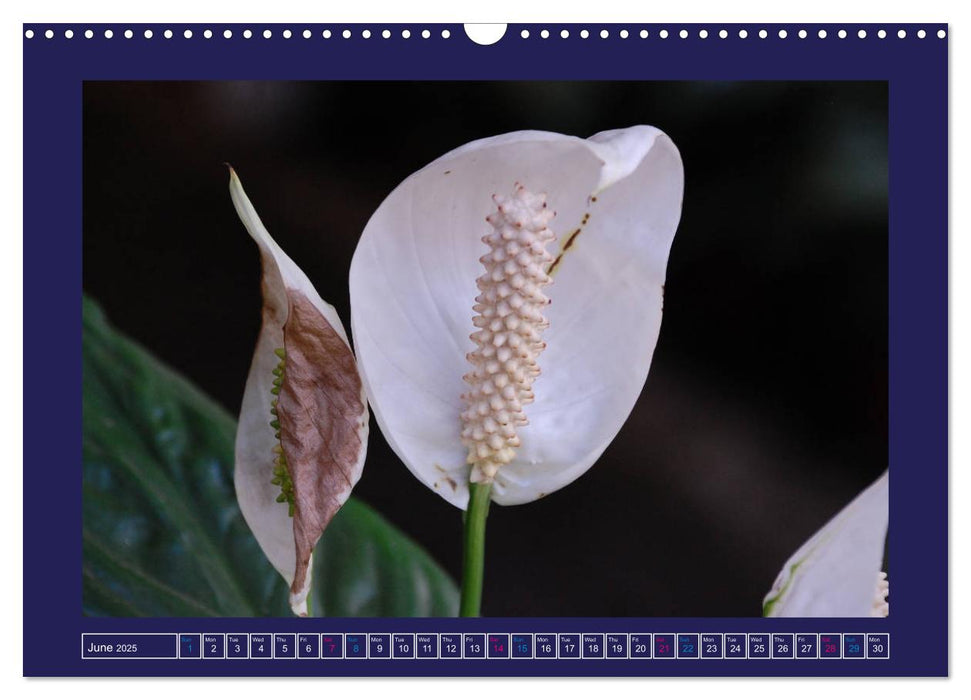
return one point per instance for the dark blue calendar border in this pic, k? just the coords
(917, 71)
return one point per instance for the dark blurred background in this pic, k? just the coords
(766, 407)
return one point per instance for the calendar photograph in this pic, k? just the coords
(501, 349)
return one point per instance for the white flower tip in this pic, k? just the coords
(623, 150)
(236, 191)
(881, 608)
(833, 573)
(298, 596)
(298, 603)
(257, 231)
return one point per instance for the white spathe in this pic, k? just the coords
(413, 285)
(836, 573)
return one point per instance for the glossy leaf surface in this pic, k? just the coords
(162, 533)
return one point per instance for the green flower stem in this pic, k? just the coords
(473, 559)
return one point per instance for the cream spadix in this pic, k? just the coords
(302, 434)
(418, 325)
(836, 573)
(510, 322)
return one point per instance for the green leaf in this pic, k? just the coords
(162, 533)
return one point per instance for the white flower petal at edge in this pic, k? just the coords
(617, 198)
(322, 414)
(836, 573)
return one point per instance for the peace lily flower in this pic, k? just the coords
(473, 375)
(303, 425)
(836, 573)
